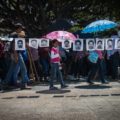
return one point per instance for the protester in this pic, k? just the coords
(17, 63)
(95, 60)
(44, 54)
(78, 65)
(55, 64)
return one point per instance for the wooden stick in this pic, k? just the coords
(32, 62)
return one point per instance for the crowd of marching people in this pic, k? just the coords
(46, 64)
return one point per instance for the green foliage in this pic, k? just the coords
(37, 15)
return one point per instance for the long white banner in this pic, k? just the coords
(77, 45)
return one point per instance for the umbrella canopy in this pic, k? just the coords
(59, 24)
(98, 26)
(61, 35)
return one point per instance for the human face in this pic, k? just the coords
(18, 30)
(55, 44)
(91, 45)
(78, 45)
(99, 43)
(43, 43)
(34, 43)
(20, 44)
(67, 44)
(110, 44)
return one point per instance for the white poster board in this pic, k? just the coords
(78, 45)
(7, 46)
(100, 44)
(33, 42)
(66, 44)
(90, 44)
(117, 43)
(43, 42)
(19, 43)
(109, 44)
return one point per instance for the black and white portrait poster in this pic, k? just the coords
(33, 42)
(78, 45)
(109, 44)
(90, 44)
(99, 44)
(117, 43)
(66, 44)
(19, 44)
(43, 42)
(7, 46)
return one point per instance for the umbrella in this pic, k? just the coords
(61, 35)
(59, 24)
(98, 26)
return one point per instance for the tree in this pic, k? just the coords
(37, 15)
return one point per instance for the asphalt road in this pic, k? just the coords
(78, 102)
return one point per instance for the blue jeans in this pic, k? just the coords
(9, 74)
(56, 74)
(22, 68)
(94, 67)
(45, 66)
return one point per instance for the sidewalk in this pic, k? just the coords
(78, 102)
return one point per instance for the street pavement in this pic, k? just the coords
(79, 101)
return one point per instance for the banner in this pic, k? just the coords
(90, 44)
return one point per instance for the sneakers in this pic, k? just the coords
(53, 88)
(106, 82)
(25, 87)
(90, 83)
(64, 86)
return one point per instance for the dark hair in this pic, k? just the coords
(19, 41)
(19, 25)
(78, 41)
(66, 41)
(43, 40)
(109, 40)
(91, 41)
(54, 41)
(33, 40)
(99, 41)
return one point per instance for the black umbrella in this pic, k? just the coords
(60, 24)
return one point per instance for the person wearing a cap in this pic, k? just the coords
(18, 62)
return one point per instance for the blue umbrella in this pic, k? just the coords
(98, 26)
